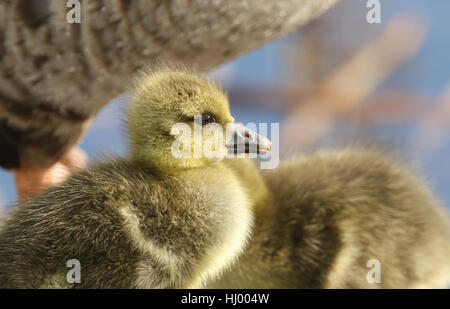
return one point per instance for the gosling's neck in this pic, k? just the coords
(250, 176)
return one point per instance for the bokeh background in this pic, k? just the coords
(336, 81)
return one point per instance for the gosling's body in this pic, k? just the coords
(327, 215)
(128, 228)
(152, 220)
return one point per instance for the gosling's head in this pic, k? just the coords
(179, 120)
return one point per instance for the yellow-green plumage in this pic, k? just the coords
(149, 221)
(326, 215)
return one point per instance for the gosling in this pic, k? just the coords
(347, 218)
(156, 219)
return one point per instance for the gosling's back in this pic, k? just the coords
(329, 214)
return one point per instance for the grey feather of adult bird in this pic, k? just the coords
(55, 75)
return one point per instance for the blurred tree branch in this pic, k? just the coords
(353, 82)
(433, 126)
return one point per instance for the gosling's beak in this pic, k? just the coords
(244, 140)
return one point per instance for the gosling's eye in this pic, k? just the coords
(207, 119)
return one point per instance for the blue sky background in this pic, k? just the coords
(427, 73)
